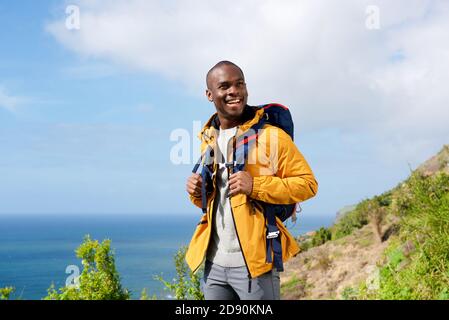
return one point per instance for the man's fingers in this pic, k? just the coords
(234, 176)
(240, 182)
(191, 184)
(194, 184)
(234, 188)
(234, 184)
(194, 187)
(195, 179)
(234, 192)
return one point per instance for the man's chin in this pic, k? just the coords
(236, 110)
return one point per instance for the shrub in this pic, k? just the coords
(99, 279)
(354, 219)
(321, 236)
(186, 285)
(369, 210)
(5, 293)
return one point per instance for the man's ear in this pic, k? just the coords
(209, 95)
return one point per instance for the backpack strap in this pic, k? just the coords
(244, 143)
(273, 239)
(206, 175)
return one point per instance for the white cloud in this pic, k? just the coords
(316, 56)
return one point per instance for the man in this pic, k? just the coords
(231, 235)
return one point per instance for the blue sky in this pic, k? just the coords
(86, 115)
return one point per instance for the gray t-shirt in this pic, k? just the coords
(224, 248)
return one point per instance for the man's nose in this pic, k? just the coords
(232, 90)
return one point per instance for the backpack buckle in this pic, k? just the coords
(273, 234)
(230, 165)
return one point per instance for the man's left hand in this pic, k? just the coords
(240, 182)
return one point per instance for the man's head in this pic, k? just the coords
(226, 88)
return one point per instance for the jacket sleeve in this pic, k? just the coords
(293, 180)
(196, 201)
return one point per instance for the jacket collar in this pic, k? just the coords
(251, 116)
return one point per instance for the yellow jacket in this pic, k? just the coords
(290, 182)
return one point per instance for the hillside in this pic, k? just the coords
(438, 163)
(375, 249)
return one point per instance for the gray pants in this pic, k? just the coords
(222, 283)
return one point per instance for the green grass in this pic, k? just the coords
(423, 205)
(295, 285)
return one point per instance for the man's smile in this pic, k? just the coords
(234, 102)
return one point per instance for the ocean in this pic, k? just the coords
(35, 250)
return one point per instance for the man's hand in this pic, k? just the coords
(193, 186)
(240, 182)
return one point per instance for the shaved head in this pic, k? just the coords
(218, 65)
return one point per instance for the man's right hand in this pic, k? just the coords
(193, 186)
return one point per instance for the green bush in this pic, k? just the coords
(186, 285)
(385, 199)
(5, 293)
(354, 219)
(99, 279)
(361, 215)
(321, 236)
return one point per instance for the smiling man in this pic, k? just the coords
(226, 88)
(232, 234)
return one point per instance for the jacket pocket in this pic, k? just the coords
(238, 200)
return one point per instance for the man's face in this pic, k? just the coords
(227, 89)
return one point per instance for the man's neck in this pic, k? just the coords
(227, 123)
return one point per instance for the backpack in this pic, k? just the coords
(276, 115)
